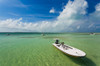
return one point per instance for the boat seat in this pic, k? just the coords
(58, 45)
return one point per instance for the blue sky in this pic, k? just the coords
(45, 15)
(31, 10)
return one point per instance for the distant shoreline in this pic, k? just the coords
(49, 32)
(85, 33)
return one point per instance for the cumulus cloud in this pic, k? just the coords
(95, 16)
(72, 13)
(98, 7)
(52, 10)
(70, 19)
(76, 8)
(94, 19)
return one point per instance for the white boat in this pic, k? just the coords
(92, 33)
(70, 50)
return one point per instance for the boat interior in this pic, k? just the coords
(64, 46)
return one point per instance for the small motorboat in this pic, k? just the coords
(69, 50)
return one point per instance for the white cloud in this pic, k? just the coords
(74, 9)
(95, 17)
(21, 5)
(72, 17)
(78, 7)
(14, 14)
(78, 27)
(52, 10)
(91, 25)
(98, 7)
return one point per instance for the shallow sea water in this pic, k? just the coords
(37, 50)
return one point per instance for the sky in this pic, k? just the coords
(50, 16)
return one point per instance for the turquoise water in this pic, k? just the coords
(37, 50)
